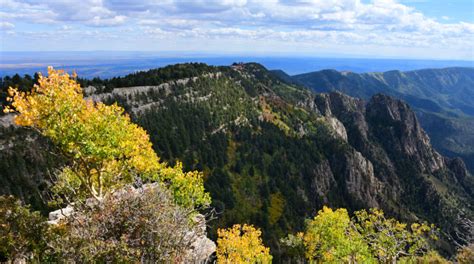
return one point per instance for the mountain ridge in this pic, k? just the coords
(442, 99)
(429, 84)
(274, 153)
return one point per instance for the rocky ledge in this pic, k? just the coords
(201, 248)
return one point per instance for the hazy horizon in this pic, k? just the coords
(107, 64)
(405, 29)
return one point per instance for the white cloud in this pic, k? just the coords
(106, 22)
(170, 23)
(317, 22)
(66, 28)
(208, 6)
(87, 12)
(6, 25)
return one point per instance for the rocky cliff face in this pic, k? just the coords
(396, 125)
(410, 173)
(442, 99)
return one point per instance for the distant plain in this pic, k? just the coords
(106, 64)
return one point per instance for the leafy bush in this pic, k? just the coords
(465, 254)
(241, 244)
(369, 237)
(432, 257)
(21, 231)
(331, 237)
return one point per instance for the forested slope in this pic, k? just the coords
(274, 153)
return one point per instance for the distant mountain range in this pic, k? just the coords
(274, 152)
(108, 64)
(442, 98)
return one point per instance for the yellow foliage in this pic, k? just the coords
(466, 254)
(186, 187)
(107, 150)
(432, 257)
(277, 205)
(390, 239)
(369, 237)
(241, 244)
(331, 238)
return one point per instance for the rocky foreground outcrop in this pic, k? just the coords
(200, 248)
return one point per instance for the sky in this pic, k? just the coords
(415, 29)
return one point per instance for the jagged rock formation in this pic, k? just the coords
(274, 153)
(386, 132)
(442, 99)
(398, 126)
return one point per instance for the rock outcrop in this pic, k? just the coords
(397, 163)
(200, 248)
(397, 124)
(442, 99)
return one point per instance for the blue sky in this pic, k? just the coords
(445, 10)
(417, 29)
